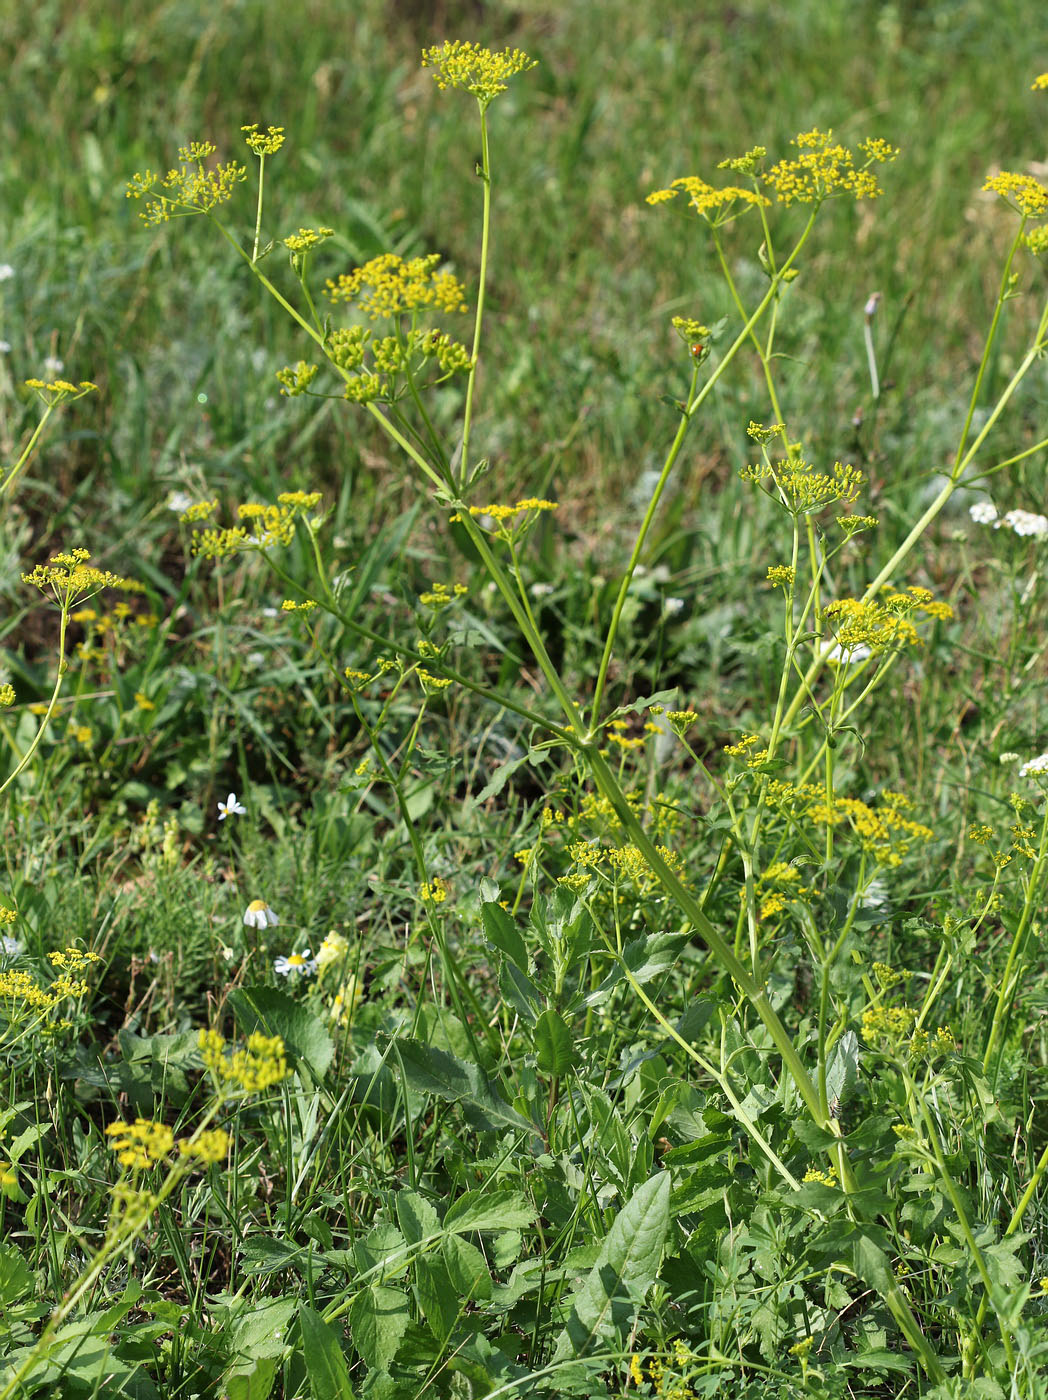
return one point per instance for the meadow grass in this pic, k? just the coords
(529, 881)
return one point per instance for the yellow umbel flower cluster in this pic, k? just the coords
(306, 238)
(56, 391)
(1022, 192)
(716, 206)
(801, 489)
(69, 578)
(823, 168)
(273, 525)
(190, 188)
(390, 286)
(263, 143)
(144, 1143)
(458, 63)
(260, 1064)
(883, 624)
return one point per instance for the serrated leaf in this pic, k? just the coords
(378, 1319)
(436, 1295)
(554, 1047)
(305, 1036)
(625, 1269)
(502, 931)
(325, 1363)
(431, 1071)
(489, 1210)
(842, 1071)
(418, 1219)
(467, 1269)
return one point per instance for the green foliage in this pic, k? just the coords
(493, 902)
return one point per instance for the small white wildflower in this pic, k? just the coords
(270, 612)
(5, 347)
(983, 512)
(230, 808)
(12, 948)
(6, 272)
(541, 590)
(179, 501)
(259, 915)
(672, 606)
(1009, 757)
(256, 659)
(1034, 765)
(300, 963)
(53, 365)
(1024, 522)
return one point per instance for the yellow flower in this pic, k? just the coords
(1021, 191)
(211, 1145)
(258, 1066)
(389, 286)
(435, 892)
(460, 64)
(263, 143)
(716, 206)
(140, 1144)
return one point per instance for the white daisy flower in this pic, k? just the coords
(300, 963)
(230, 808)
(259, 915)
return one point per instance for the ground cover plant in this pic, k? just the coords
(528, 877)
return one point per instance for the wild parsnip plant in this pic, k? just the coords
(614, 1043)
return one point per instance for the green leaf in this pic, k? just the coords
(436, 1295)
(466, 1268)
(256, 1383)
(842, 1071)
(647, 958)
(554, 1047)
(625, 1269)
(305, 1036)
(502, 931)
(418, 1220)
(489, 1210)
(378, 1319)
(431, 1071)
(16, 1277)
(325, 1363)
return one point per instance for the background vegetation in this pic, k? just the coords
(111, 839)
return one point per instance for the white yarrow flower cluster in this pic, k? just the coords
(1022, 522)
(1034, 766)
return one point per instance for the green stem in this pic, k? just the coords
(485, 239)
(1030, 903)
(27, 452)
(46, 719)
(694, 403)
